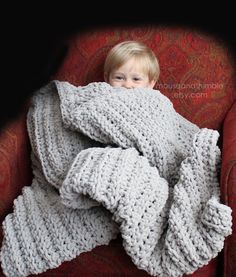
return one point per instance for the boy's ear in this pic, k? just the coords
(152, 83)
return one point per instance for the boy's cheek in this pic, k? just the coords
(115, 84)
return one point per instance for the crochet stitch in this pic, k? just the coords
(107, 160)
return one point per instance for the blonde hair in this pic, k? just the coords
(123, 51)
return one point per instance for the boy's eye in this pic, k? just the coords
(119, 77)
(136, 79)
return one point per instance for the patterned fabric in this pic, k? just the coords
(208, 60)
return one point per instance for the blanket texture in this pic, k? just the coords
(107, 160)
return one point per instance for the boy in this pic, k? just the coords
(131, 64)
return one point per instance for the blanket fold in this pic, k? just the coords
(107, 160)
(104, 176)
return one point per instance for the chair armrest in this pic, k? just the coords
(228, 186)
(15, 167)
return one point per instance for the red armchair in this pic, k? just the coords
(196, 74)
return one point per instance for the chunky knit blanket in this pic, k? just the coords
(113, 160)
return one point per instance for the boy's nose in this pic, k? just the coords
(128, 84)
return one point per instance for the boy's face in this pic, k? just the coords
(129, 75)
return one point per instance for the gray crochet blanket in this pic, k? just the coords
(110, 160)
